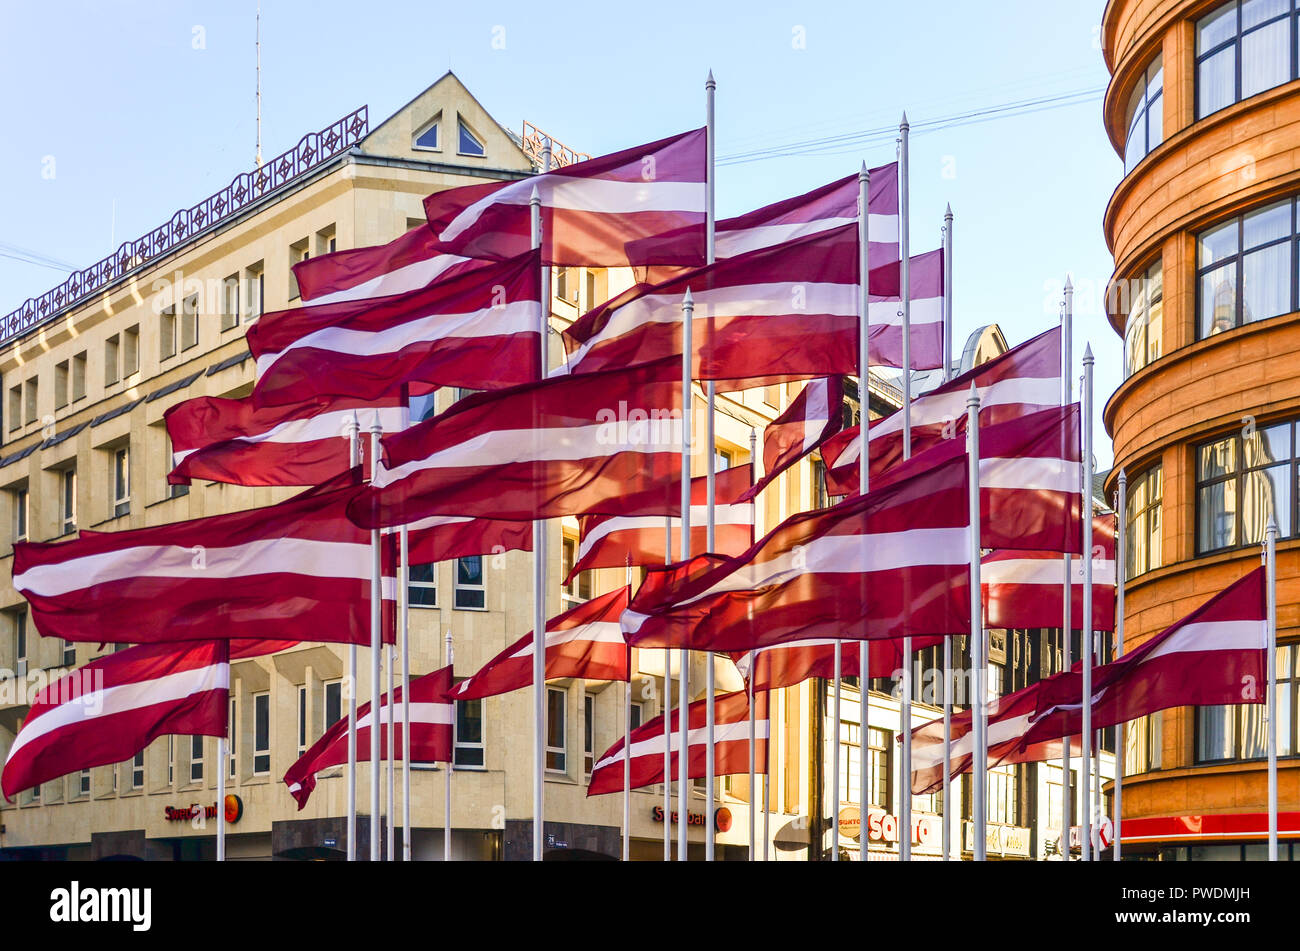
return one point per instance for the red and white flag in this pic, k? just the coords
(432, 716)
(640, 206)
(784, 665)
(821, 209)
(782, 313)
(646, 745)
(889, 564)
(616, 541)
(1008, 721)
(443, 537)
(1024, 588)
(408, 263)
(237, 442)
(816, 414)
(885, 316)
(583, 642)
(477, 330)
(604, 442)
(110, 709)
(1216, 655)
(1025, 379)
(296, 570)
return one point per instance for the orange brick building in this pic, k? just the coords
(1204, 107)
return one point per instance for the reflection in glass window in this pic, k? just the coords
(1143, 516)
(1243, 48)
(1245, 269)
(1143, 332)
(1146, 112)
(471, 592)
(1239, 731)
(1241, 481)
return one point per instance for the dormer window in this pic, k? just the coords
(429, 137)
(469, 143)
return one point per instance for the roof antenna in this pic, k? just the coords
(259, 83)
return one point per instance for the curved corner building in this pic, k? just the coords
(1204, 107)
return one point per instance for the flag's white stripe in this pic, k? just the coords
(1044, 571)
(122, 698)
(929, 755)
(888, 313)
(734, 514)
(746, 662)
(325, 425)
(408, 277)
(722, 733)
(438, 521)
(301, 556)
(757, 300)
(1030, 472)
(515, 317)
(599, 632)
(838, 554)
(933, 408)
(501, 447)
(598, 195)
(817, 413)
(422, 712)
(731, 242)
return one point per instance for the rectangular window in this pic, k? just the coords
(1239, 732)
(556, 760)
(61, 385)
(422, 585)
(190, 322)
(137, 771)
(579, 589)
(1243, 48)
(112, 359)
(69, 655)
(196, 759)
(171, 491)
(471, 591)
(1142, 744)
(333, 704)
(230, 302)
(297, 252)
(261, 733)
(79, 376)
(167, 333)
(20, 641)
(469, 749)
(31, 399)
(878, 763)
(131, 350)
(1241, 481)
(171, 759)
(1004, 795)
(1145, 116)
(850, 760)
(588, 733)
(121, 481)
(1246, 269)
(1143, 516)
(302, 719)
(1144, 330)
(83, 783)
(254, 291)
(68, 507)
(21, 511)
(15, 407)
(232, 730)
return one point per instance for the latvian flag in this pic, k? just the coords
(110, 709)
(925, 314)
(583, 642)
(641, 206)
(889, 564)
(1024, 588)
(298, 570)
(431, 733)
(815, 415)
(444, 537)
(646, 745)
(784, 665)
(616, 541)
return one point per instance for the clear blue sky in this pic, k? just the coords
(147, 107)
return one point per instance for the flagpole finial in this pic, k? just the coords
(1069, 283)
(710, 83)
(864, 174)
(904, 124)
(973, 398)
(1087, 353)
(535, 197)
(688, 299)
(947, 212)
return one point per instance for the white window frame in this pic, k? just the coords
(459, 744)
(421, 585)
(257, 749)
(588, 732)
(232, 731)
(22, 514)
(137, 771)
(68, 499)
(303, 732)
(121, 481)
(21, 645)
(199, 743)
(561, 753)
(458, 587)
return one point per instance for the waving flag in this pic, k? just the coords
(237, 442)
(1025, 379)
(892, 563)
(1215, 655)
(584, 642)
(646, 745)
(816, 414)
(443, 537)
(641, 206)
(884, 310)
(431, 733)
(477, 330)
(604, 442)
(297, 570)
(110, 709)
(615, 541)
(784, 665)
(781, 313)
(1024, 588)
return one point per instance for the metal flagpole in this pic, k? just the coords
(1121, 571)
(710, 672)
(864, 478)
(627, 742)
(979, 766)
(354, 459)
(667, 712)
(1270, 597)
(947, 641)
(376, 653)
(446, 776)
(390, 726)
(221, 785)
(835, 755)
(753, 752)
(540, 550)
(1067, 361)
(905, 292)
(684, 540)
(1085, 622)
(404, 619)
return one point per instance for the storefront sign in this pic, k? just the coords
(999, 839)
(721, 817)
(851, 822)
(883, 827)
(234, 809)
(1106, 832)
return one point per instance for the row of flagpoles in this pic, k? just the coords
(392, 501)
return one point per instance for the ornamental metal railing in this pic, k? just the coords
(246, 189)
(535, 140)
